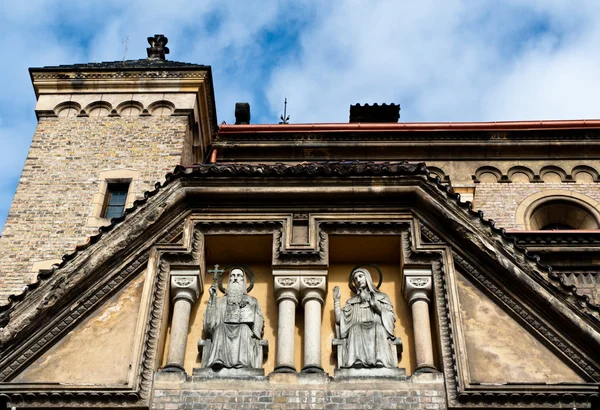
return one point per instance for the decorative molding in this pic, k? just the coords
(239, 227)
(312, 282)
(286, 281)
(419, 282)
(141, 73)
(363, 227)
(428, 235)
(483, 136)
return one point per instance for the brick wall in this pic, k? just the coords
(417, 392)
(500, 201)
(53, 201)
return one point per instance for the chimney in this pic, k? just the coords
(242, 113)
(375, 113)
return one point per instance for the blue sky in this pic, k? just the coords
(456, 60)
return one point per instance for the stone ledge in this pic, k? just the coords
(298, 381)
(203, 374)
(373, 374)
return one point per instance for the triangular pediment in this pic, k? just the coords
(494, 302)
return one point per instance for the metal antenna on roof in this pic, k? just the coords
(125, 44)
(284, 118)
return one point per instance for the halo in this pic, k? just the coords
(247, 271)
(360, 266)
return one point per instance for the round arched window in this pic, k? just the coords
(561, 214)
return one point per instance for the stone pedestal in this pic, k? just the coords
(185, 290)
(378, 373)
(207, 373)
(417, 289)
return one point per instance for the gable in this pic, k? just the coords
(480, 278)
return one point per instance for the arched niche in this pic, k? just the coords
(67, 109)
(98, 109)
(560, 210)
(161, 108)
(520, 174)
(583, 174)
(553, 174)
(130, 108)
(487, 175)
(438, 172)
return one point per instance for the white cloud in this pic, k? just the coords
(446, 61)
(443, 61)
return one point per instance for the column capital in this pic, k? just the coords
(287, 287)
(417, 284)
(313, 287)
(185, 285)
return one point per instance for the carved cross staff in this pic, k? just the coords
(216, 273)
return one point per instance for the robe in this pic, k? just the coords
(367, 333)
(235, 331)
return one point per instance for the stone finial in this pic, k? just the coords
(158, 47)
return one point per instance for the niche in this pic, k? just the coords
(254, 251)
(348, 251)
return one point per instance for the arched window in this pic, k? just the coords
(562, 214)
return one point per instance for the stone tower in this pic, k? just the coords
(102, 127)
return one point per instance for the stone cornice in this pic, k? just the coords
(556, 238)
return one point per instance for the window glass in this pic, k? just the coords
(116, 197)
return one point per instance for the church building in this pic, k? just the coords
(154, 259)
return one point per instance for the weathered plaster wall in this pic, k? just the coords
(99, 351)
(499, 350)
(53, 201)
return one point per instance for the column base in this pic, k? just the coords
(312, 369)
(426, 368)
(173, 368)
(285, 369)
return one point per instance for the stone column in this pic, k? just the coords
(313, 291)
(185, 290)
(287, 290)
(417, 288)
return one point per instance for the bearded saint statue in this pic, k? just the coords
(234, 323)
(367, 323)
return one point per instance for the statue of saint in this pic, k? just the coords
(234, 323)
(367, 323)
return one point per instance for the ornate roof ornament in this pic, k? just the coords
(158, 47)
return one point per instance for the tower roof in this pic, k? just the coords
(127, 65)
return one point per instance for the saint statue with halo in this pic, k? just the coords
(366, 322)
(234, 323)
